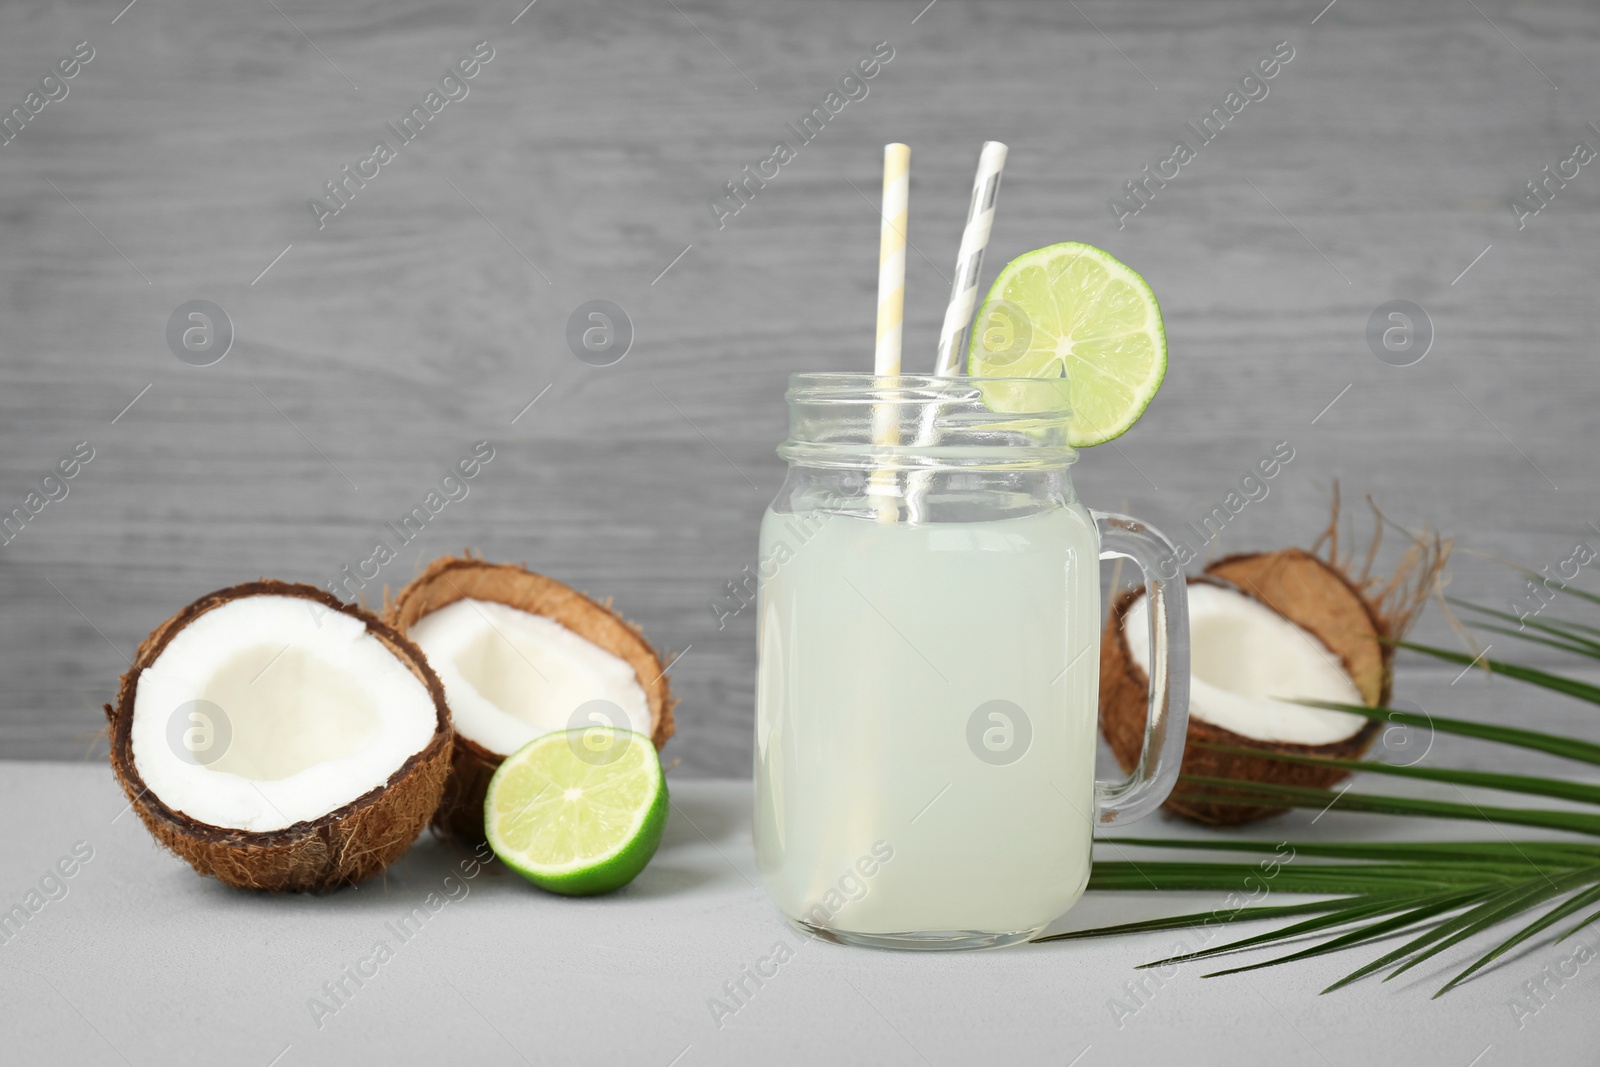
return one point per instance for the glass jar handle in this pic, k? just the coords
(1167, 724)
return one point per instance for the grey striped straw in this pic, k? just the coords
(969, 260)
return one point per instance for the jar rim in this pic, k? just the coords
(1035, 398)
(806, 380)
(909, 421)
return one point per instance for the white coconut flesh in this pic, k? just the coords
(1247, 662)
(271, 710)
(510, 675)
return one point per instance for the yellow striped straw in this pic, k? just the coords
(892, 257)
(891, 313)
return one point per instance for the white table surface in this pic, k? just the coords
(143, 962)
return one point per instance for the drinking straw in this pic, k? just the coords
(891, 308)
(969, 261)
(892, 257)
(958, 314)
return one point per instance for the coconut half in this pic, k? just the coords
(520, 655)
(278, 738)
(1248, 663)
(1267, 629)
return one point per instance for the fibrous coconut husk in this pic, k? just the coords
(348, 844)
(451, 578)
(1356, 615)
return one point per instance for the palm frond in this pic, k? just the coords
(1199, 918)
(1421, 913)
(1562, 586)
(1579, 925)
(1558, 788)
(1544, 679)
(1351, 912)
(1550, 744)
(1544, 922)
(1504, 903)
(1566, 631)
(1258, 794)
(1550, 853)
(1576, 648)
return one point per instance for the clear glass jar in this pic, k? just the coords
(927, 695)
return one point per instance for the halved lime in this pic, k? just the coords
(578, 811)
(1076, 310)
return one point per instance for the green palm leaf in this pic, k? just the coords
(1351, 878)
(1182, 922)
(1584, 649)
(1340, 917)
(1551, 744)
(1506, 783)
(1579, 925)
(1421, 913)
(1563, 586)
(1544, 922)
(1502, 904)
(1566, 631)
(1545, 680)
(1256, 794)
(1510, 854)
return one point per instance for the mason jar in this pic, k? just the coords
(927, 692)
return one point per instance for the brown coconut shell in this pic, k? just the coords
(451, 578)
(1356, 617)
(348, 844)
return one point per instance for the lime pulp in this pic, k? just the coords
(578, 812)
(1075, 311)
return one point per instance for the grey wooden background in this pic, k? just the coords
(433, 309)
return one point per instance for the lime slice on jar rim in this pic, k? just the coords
(1076, 312)
(578, 812)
